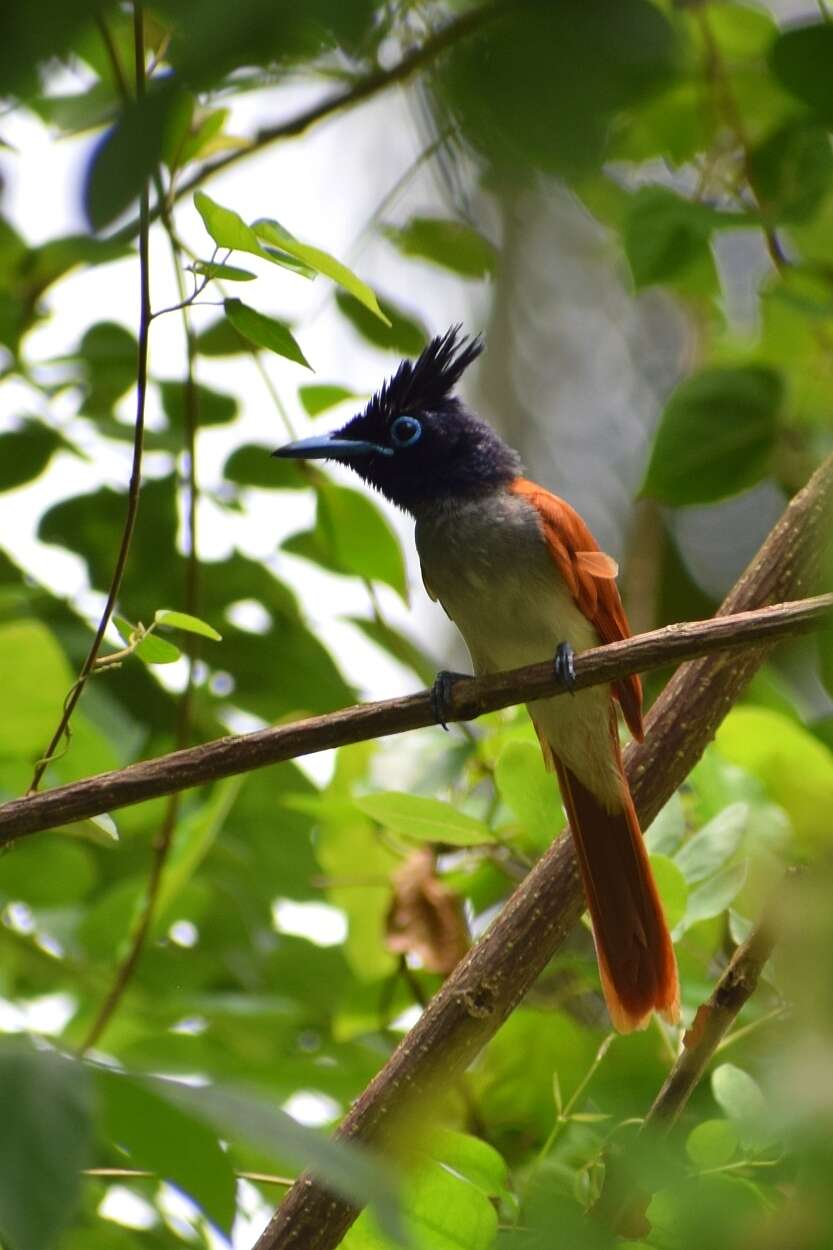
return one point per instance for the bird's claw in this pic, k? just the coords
(441, 696)
(565, 668)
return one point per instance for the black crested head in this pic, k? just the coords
(425, 384)
(415, 441)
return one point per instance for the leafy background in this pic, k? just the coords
(636, 204)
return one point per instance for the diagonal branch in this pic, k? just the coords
(471, 697)
(712, 1022)
(497, 972)
(623, 1202)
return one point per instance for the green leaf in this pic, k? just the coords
(801, 60)
(221, 339)
(193, 839)
(44, 1145)
(264, 331)
(345, 838)
(122, 161)
(80, 110)
(441, 1211)
(211, 269)
(673, 888)
(791, 171)
(794, 767)
(715, 844)
(742, 31)
(47, 872)
(666, 234)
(159, 1135)
(211, 407)
(665, 834)
(36, 678)
(715, 436)
(351, 536)
(526, 787)
(273, 232)
(712, 1143)
(108, 353)
(25, 453)
(427, 820)
(672, 126)
(99, 829)
(228, 230)
(155, 650)
(201, 136)
(538, 88)
(316, 398)
(226, 227)
(475, 1160)
(824, 642)
(450, 244)
(183, 620)
(739, 1095)
(404, 335)
(713, 896)
(254, 465)
(345, 1167)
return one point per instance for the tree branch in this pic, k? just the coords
(363, 89)
(712, 1022)
(471, 697)
(623, 1202)
(500, 968)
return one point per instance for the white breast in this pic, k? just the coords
(488, 564)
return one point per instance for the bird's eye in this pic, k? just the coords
(405, 431)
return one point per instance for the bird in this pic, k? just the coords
(519, 573)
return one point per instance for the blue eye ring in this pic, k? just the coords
(405, 431)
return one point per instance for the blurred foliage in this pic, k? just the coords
(681, 128)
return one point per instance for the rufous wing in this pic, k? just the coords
(590, 577)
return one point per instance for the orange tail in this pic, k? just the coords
(633, 946)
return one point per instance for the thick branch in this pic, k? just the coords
(501, 967)
(471, 697)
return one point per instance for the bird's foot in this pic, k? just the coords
(565, 668)
(441, 696)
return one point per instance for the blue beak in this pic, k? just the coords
(330, 447)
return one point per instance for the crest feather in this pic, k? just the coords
(424, 384)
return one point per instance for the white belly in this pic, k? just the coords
(491, 570)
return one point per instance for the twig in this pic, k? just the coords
(162, 842)
(712, 1022)
(259, 1178)
(135, 483)
(500, 968)
(138, 937)
(622, 1202)
(723, 90)
(378, 80)
(470, 697)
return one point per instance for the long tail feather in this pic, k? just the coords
(636, 959)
